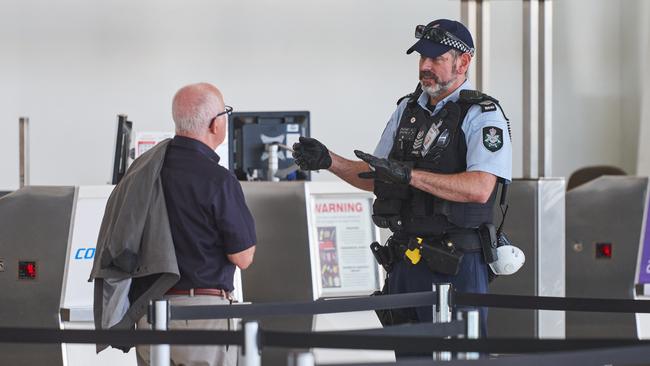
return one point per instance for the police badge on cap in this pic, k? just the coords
(492, 138)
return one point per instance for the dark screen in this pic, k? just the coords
(250, 132)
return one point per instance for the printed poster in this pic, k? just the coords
(329, 261)
(344, 230)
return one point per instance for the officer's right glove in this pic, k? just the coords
(385, 170)
(311, 154)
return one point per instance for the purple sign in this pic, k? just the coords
(644, 270)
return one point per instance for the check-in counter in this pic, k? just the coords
(535, 223)
(313, 243)
(47, 246)
(607, 253)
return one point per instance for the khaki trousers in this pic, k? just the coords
(193, 355)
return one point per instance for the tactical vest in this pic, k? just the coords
(435, 144)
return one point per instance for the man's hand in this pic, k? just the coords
(384, 170)
(310, 154)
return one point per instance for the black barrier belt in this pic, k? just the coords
(119, 337)
(309, 340)
(252, 311)
(451, 329)
(635, 355)
(431, 344)
(551, 303)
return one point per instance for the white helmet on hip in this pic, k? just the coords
(510, 259)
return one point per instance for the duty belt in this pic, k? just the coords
(410, 248)
(467, 240)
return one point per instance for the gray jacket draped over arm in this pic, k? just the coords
(135, 261)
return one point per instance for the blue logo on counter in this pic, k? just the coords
(85, 253)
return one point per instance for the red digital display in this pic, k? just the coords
(27, 270)
(604, 250)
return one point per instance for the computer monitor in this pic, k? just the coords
(249, 135)
(122, 148)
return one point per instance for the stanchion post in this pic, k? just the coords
(301, 359)
(251, 350)
(442, 313)
(23, 155)
(472, 325)
(160, 352)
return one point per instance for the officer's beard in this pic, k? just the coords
(439, 87)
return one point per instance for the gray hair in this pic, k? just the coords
(193, 108)
(455, 54)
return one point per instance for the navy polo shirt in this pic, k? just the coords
(207, 214)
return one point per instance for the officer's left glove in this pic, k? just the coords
(385, 170)
(311, 154)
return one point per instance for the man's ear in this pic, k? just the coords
(214, 125)
(463, 63)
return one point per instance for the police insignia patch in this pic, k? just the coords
(492, 138)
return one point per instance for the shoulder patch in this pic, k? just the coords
(492, 138)
(488, 106)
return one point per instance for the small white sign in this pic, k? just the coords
(292, 138)
(146, 140)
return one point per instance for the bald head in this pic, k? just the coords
(193, 108)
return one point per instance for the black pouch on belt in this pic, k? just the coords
(383, 255)
(488, 234)
(441, 259)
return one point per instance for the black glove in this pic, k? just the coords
(384, 170)
(310, 154)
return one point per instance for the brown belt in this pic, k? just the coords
(199, 291)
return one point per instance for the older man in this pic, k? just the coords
(434, 173)
(211, 227)
(175, 226)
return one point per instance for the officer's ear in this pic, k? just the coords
(462, 63)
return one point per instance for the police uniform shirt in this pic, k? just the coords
(208, 215)
(485, 152)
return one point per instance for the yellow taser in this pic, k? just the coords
(414, 254)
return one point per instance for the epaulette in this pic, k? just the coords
(486, 102)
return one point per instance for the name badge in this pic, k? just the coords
(430, 137)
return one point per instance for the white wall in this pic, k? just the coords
(72, 65)
(587, 100)
(506, 69)
(598, 63)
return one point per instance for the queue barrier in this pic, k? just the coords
(405, 301)
(599, 349)
(630, 355)
(419, 338)
(252, 344)
(443, 298)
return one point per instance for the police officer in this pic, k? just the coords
(435, 173)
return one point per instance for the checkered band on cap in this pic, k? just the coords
(457, 45)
